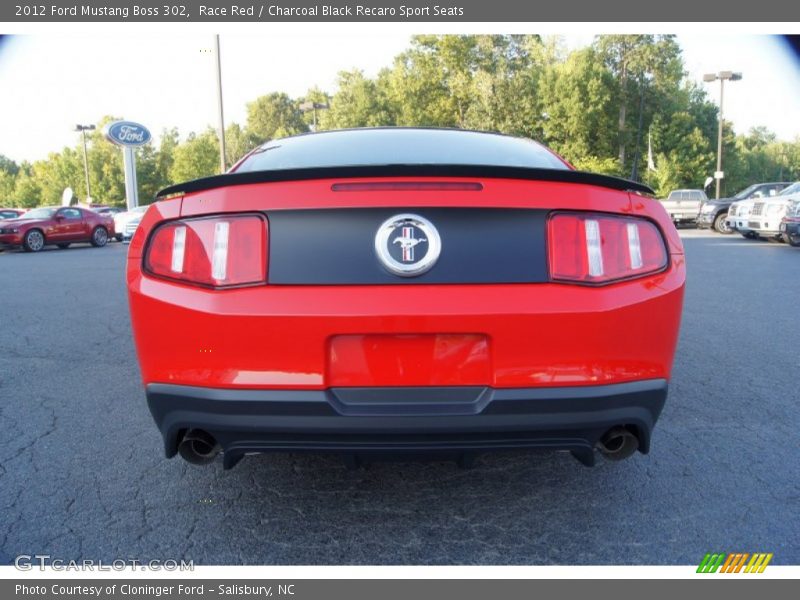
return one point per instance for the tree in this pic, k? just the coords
(505, 86)
(197, 157)
(27, 193)
(7, 184)
(318, 96)
(580, 103)
(357, 103)
(8, 166)
(643, 67)
(684, 155)
(59, 171)
(237, 143)
(272, 116)
(577, 98)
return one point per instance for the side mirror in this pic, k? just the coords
(59, 217)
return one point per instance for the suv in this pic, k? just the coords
(683, 206)
(714, 213)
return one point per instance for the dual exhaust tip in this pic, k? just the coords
(618, 443)
(199, 447)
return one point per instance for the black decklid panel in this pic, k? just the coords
(337, 246)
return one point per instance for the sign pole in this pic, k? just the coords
(131, 188)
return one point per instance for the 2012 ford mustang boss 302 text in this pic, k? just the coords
(405, 291)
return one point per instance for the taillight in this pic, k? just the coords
(599, 248)
(217, 251)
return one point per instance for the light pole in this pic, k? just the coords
(635, 168)
(218, 72)
(83, 129)
(722, 76)
(314, 106)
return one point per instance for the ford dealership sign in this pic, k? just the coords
(127, 133)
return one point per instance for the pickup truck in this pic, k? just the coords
(767, 214)
(714, 214)
(683, 206)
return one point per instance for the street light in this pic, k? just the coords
(218, 72)
(83, 129)
(315, 106)
(722, 76)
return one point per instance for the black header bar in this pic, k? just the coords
(443, 11)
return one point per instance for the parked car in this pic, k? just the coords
(11, 213)
(121, 220)
(109, 210)
(765, 218)
(130, 228)
(738, 216)
(683, 206)
(61, 226)
(405, 290)
(714, 213)
(790, 225)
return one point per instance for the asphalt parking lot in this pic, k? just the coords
(82, 474)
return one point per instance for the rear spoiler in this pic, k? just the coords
(471, 171)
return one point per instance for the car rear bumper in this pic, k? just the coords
(407, 420)
(320, 337)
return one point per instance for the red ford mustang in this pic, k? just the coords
(405, 291)
(53, 225)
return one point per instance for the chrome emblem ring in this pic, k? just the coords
(407, 245)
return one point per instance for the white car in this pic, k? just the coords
(765, 218)
(738, 216)
(130, 228)
(122, 219)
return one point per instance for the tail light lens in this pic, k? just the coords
(220, 251)
(597, 248)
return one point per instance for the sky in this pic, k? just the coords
(49, 83)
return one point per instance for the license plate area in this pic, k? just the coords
(409, 360)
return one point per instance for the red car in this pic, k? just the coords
(10, 213)
(61, 226)
(405, 291)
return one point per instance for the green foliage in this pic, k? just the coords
(684, 156)
(576, 103)
(7, 183)
(358, 103)
(274, 115)
(27, 193)
(586, 104)
(197, 157)
(237, 143)
(8, 166)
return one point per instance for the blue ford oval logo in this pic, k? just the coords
(127, 133)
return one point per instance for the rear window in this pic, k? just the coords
(397, 146)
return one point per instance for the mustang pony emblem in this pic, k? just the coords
(407, 245)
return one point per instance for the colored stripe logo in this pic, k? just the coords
(736, 562)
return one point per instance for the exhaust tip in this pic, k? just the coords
(199, 447)
(618, 443)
